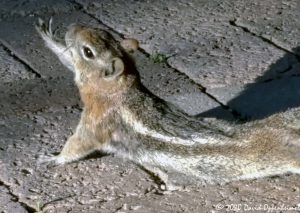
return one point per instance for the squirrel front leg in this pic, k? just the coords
(78, 146)
(58, 48)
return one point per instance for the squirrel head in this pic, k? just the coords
(100, 60)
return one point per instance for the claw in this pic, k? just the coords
(50, 160)
(43, 28)
(50, 25)
(39, 25)
(40, 22)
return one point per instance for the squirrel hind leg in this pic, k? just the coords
(161, 178)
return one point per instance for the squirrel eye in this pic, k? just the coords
(88, 52)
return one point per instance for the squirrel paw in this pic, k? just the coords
(50, 160)
(166, 188)
(45, 30)
(162, 177)
(170, 187)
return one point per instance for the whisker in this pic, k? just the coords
(65, 50)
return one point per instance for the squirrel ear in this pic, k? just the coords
(130, 44)
(115, 69)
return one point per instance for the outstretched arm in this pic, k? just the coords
(58, 48)
(78, 146)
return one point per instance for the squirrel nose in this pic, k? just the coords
(74, 28)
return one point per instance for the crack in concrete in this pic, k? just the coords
(17, 199)
(266, 39)
(234, 112)
(15, 56)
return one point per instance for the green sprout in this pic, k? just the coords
(158, 58)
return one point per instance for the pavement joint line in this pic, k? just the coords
(7, 48)
(234, 112)
(264, 38)
(28, 208)
(269, 41)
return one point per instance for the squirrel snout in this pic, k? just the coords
(71, 33)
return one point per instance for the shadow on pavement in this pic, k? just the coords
(276, 91)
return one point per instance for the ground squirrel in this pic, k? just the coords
(121, 116)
